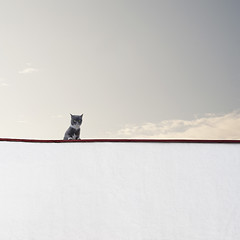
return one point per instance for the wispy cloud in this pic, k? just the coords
(3, 83)
(28, 70)
(211, 126)
(21, 119)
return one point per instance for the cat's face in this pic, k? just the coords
(76, 120)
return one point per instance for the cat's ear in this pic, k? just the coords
(81, 115)
(71, 115)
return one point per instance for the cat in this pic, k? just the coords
(73, 132)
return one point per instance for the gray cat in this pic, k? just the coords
(73, 132)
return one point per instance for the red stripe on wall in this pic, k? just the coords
(121, 140)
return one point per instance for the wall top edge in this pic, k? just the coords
(121, 141)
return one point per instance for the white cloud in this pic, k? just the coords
(3, 83)
(28, 70)
(21, 121)
(211, 126)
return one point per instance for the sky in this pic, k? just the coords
(135, 69)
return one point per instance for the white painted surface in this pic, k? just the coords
(113, 191)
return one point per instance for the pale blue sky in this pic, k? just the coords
(127, 65)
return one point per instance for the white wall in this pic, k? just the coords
(113, 191)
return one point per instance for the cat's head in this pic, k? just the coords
(76, 120)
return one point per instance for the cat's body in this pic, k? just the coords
(73, 132)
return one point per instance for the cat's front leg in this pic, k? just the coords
(70, 138)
